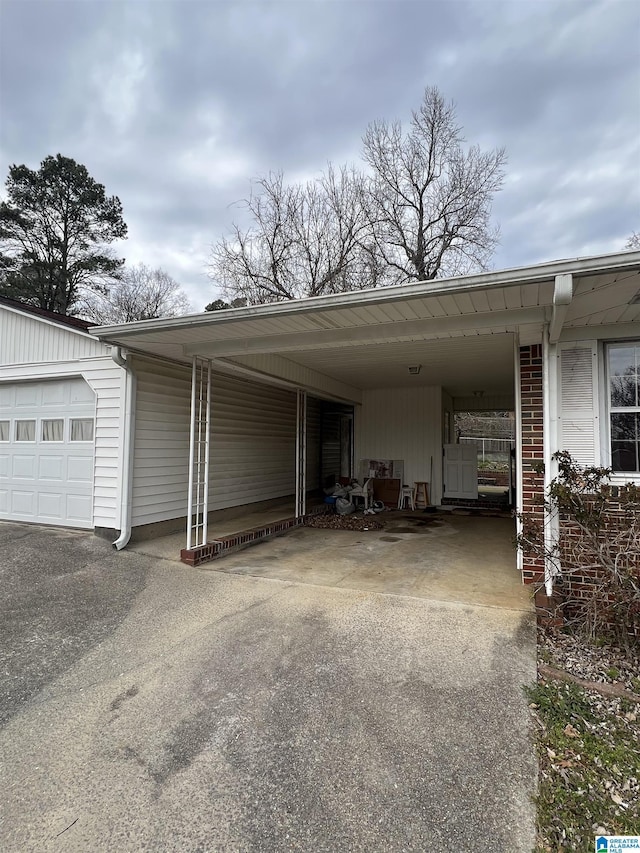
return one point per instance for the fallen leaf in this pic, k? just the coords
(570, 731)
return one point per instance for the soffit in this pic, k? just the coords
(461, 364)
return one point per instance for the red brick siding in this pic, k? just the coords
(580, 583)
(532, 447)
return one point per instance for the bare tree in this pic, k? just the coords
(424, 210)
(633, 242)
(306, 239)
(141, 294)
(429, 199)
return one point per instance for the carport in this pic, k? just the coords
(405, 358)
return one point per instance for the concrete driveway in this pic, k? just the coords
(149, 706)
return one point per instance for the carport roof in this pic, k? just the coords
(361, 337)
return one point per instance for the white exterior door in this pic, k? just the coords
(47, 432)
(461, 471)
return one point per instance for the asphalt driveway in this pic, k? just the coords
(149, 706)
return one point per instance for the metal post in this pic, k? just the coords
(205, 508)
(301, 452)
(192, 444)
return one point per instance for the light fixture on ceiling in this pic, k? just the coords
(478, 393)
(415, 370)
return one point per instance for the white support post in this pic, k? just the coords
(301, 453)
(192, 446)
(205, 510)
(198, 497)
(550, 445)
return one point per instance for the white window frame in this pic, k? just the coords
(608, 345)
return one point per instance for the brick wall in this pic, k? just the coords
(582, 577)
(532, 449)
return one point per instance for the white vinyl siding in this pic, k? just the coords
(27, 339)
(252, 456)
(578, 419)
(403, 423)
(107, 381)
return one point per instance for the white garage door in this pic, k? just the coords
(46, 452)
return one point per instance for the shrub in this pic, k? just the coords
(597, 553)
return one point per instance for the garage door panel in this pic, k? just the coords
(50, 506)
(23, 503)
(28, 395)
(46, 477)
(79, 469)
(24, 467)
(79, 509)
(81, 394)
(54, 394)
(51, 468)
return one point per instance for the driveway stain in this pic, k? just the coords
(122, 697)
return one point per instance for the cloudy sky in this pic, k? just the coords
(176, 106)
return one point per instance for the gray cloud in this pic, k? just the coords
(176, 106)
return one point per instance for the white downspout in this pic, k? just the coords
(550, 444)
(519, 483)
(126, 467)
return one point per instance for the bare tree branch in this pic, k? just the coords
(429, 200)
(141, 294)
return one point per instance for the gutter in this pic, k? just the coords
(126, 466)
(376, 296)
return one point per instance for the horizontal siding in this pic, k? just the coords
(106, 379)
(252, 442)
(26, 340)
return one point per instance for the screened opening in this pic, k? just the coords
(493, 435)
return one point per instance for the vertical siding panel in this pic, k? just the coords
(26, 339)
(403, 423)
(313, 443)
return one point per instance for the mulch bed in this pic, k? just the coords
(345, 522)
